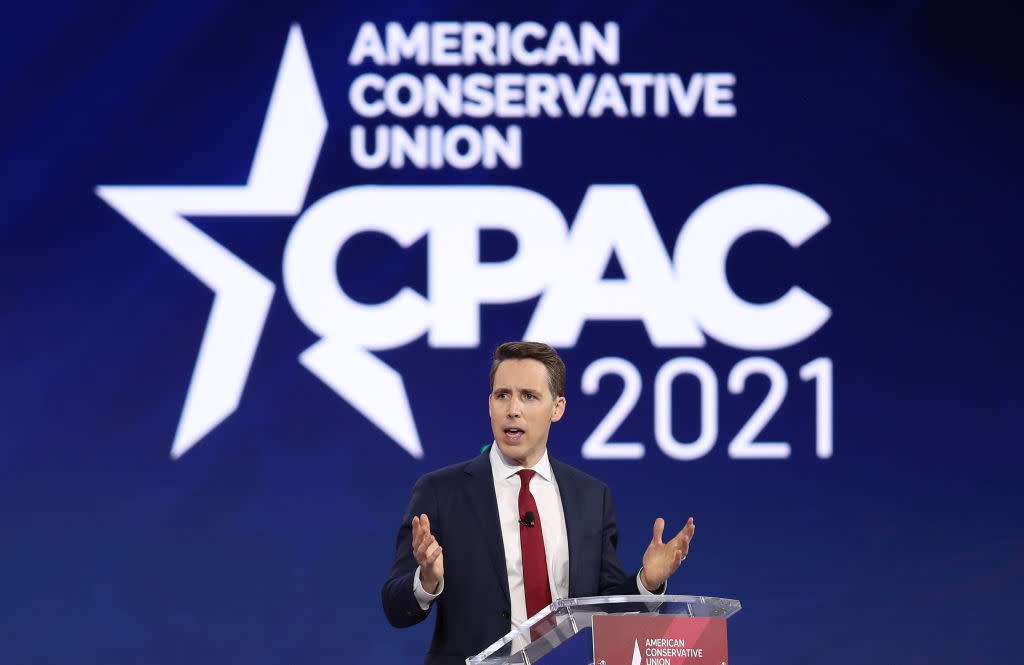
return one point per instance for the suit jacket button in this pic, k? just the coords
(506, 614)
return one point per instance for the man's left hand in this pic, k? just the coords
(662, 559)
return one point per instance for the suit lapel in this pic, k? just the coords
(485, 506)
(572, 508)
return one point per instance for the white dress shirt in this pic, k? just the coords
(552, 521)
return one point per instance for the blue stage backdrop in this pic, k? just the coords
(256, 257)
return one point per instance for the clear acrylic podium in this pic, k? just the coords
(554, 626)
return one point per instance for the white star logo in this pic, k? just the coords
(289, 144)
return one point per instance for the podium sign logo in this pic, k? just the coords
(659, 640)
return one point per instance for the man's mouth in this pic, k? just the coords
(513, 433)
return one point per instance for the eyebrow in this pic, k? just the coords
(505, 389)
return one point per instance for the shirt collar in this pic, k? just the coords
(503, 468)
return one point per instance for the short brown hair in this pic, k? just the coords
(537, 351)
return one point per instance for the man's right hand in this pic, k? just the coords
(428, 554)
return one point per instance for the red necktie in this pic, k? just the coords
(531, 538)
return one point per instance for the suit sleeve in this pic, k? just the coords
(397, 597)
(614, 580)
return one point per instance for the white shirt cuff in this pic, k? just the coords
(424, 597)
(643, 589)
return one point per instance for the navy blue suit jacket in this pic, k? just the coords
(474, 609)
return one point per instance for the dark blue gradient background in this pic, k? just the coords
(268, 542)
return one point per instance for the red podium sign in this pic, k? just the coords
(659, 640)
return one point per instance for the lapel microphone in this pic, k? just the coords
(528, 519)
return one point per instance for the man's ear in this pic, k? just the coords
(556, 413)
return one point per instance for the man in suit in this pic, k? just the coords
(459, 546)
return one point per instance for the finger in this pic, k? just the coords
(419, 541)
(433, 556)
(420, 527)
(659, 529)
(424, 547)
(417, 533)
(680, 538)
(686, 533)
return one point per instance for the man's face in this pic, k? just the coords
(522, 409)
